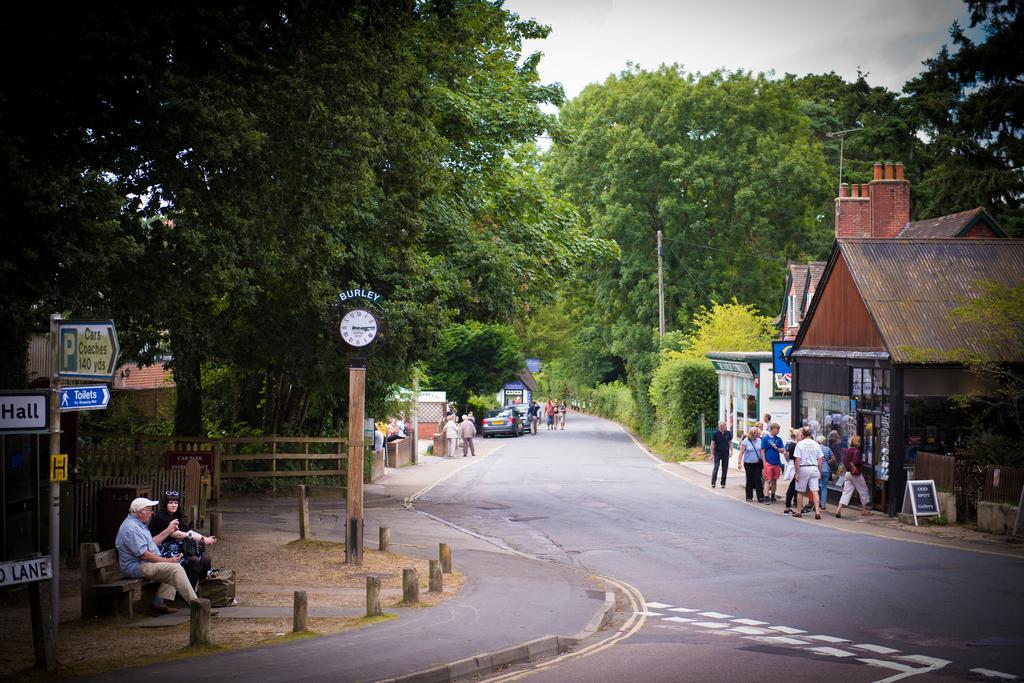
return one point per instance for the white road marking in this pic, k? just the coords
(683, 609)
(656, 605)
(924, 659)
(786, 629)
(678, 620)
(648, 613)
(895, 666)
(749, 630)
(830, 651)
(716, 615)
(828, 639)
(710, 624)
(880, 649)
(750, 622)
(778, 640)
(995, 674)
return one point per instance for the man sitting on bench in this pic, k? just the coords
(139, 557)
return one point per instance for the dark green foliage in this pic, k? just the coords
(681, 390)
(475, 358)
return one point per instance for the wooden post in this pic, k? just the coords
(354, 471)
(299, 607)
(436, 578)
(43, 640)
(373, 597)
(303, 513)
(216, 472)
(216, 524)
(273, 463)
(445, 554)
(199, 622)
(410, 587)
(385, 539)
(194, 519)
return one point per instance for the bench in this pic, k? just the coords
(104, 588)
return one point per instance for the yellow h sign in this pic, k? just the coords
(58, 467)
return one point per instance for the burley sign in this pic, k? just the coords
(88, 349)
(24, 412)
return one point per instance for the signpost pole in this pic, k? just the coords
(55, 486)
(354, 470)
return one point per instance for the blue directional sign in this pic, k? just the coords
(84, 398)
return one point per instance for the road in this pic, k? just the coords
(732, 591)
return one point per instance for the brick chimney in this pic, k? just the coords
(879, 209)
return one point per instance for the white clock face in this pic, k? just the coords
(358, 327)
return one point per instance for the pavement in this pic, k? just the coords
(878, 524)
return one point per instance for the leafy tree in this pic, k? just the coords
(970, 105)
(682, 389)
(726, 327)
(475, 358)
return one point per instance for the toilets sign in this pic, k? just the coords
(87, 349)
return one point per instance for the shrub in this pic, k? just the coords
(681, 390)
(615, 402)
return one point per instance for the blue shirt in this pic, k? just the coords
(772, 447)
(751, 451)
(133, 539)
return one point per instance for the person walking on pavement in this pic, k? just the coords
(562, 409)
(467, 430)
(827, 461)
(753, 462)
(794, 436)
(854, 479)
(808, 473)
(721, 443)
(549, 413)
(534, 414)
(451, 433)
(773, 449)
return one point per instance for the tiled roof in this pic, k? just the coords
(952, 225)
(133, 376)
(911, 286)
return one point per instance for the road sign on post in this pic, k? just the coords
(23, 412)
(84, 398)
(87, 349)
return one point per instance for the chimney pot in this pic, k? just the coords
(899, 171)
(864, 193)
(843, 190)
(878, 170)
(888, 170)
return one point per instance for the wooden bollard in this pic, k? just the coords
(303, 513)
(373, 597)
(300, 605)
(216, 524)
(199, 622)
(436, 578)
(385, 539)
(195, 514)
(410, 587)
(445, 554)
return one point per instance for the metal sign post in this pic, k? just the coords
(55, 485)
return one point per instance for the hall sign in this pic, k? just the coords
(24, 411)
(25, 571)
(921, 499)
(732, 367)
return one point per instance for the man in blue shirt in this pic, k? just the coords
(773, 447)
(139, 557)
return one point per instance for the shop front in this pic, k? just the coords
(747, 391)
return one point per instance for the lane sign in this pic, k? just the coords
(58, 467)
(24, 412)
(87, 349)
(25, 571)
(84, 398)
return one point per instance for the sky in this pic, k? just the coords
(591, 39)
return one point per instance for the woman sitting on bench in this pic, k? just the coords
(185, 541)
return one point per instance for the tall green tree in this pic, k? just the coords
(969, 103)
(475, 358)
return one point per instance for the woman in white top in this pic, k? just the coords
(808, 472)
(451, 432)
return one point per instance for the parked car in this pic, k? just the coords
(505, 420)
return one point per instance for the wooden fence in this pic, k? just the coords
(1003, 484)
(274, 457)
(938, 467)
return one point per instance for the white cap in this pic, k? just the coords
(142, 503)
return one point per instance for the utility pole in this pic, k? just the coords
(661, 288)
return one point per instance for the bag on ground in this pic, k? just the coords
(218, 587)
